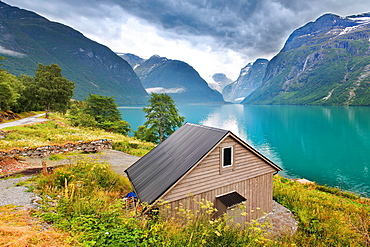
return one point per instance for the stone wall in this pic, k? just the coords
(93, 146)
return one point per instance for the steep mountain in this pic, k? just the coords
(27, 39)
(132, 59)
(325, 62)
(220, 80)
(250, 79)
(176, 78)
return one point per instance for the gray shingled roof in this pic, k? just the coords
(153, 174)
(157, 171)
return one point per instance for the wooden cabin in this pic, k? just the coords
(198, 162)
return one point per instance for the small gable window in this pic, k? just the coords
(227, 157)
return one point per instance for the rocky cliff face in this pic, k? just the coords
(132, 59)
(325, 62)
(220, 80)
(27, 39)
(250, 79)
(176, 78)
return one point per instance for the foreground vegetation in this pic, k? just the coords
(327, 216)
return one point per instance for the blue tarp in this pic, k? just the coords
(131, 194)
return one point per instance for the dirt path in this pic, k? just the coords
(119, 161)
(27, 120)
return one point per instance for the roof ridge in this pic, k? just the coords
(207, 127)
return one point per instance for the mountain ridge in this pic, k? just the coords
(325, 62)
(176, 78)
(28, 39)
(250, 78)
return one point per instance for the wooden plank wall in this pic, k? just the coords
(257, 191)
(250, 176)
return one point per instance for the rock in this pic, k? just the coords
(303, 181)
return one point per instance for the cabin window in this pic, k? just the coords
(227, 157)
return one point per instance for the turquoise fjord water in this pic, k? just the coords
(328, 145)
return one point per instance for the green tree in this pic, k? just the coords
(78, 117)
(9, 89)
(143, 133)
(27, 99)
(162, 118)
(102, 108)
(105, 112)
(53, 91)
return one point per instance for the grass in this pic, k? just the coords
(327, 216)
(58, 131)
(56, 157)
(12, 176)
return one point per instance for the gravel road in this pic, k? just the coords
(27, 120)
(16, 195)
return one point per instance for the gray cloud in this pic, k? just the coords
(253, 28)
(248, 26)
(165, 90)
(8, 52)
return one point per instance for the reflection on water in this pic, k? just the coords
(329, 145)
(234, 118)
(227, 117)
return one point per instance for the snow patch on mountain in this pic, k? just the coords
(360, 21)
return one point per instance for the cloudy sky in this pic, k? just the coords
(213, 36)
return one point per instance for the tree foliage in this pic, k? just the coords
(98, 111)
(143, 133)
(162, 118)
(53, 91)
(78, 117)
(102, 108)
(9, 90)
(48, 90)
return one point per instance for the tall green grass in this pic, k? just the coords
(327, 217)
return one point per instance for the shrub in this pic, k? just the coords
(133, 147)
(84, 199)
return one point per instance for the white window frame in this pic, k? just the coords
(232, 157)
